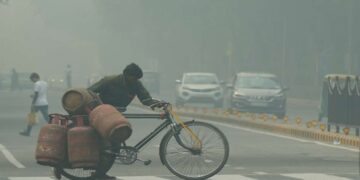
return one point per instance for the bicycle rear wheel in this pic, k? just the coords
(191, 165)
(107, 160)
(78, 174)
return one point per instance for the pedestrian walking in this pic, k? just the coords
(39, 101)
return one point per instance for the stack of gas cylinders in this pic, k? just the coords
(74, 140)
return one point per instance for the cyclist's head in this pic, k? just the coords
(34, 77)
(132, 72)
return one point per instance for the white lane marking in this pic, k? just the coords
(281, 136)
(10, 157)
(230, 177)
(30, 178)
(139, 178)
(310, 176)
(260, 173)
(333, 146)
(239, 168)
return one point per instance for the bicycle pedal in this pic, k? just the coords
(146, 162)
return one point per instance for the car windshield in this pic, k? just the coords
(200, 79)
(257, 82)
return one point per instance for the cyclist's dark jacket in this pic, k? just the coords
(114, 90)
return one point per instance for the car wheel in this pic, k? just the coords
(233, 104)
(219, 104)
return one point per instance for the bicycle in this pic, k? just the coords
(191, 150)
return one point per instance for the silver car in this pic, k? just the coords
(259, 93)
(199, 87)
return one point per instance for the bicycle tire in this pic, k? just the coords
(78, 173)
(169, 154)
(105, 164)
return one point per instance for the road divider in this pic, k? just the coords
(261, 122)
(313, 129)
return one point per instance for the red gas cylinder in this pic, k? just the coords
(83, 145)
(50, 150)
(110, 123)
(80, 101)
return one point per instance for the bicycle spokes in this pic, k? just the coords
(198, 144)
(188, 163)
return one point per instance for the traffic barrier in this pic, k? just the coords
(205, 110)
(346, 130)
(274, 118)
(249, 120)
(286, 119)
(239, 114)
(343, 99)
(287, 129)
(298, 120)
(322, 127)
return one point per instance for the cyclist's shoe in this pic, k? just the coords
(106, 177)
(56, 173)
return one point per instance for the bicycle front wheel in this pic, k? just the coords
(177, 154)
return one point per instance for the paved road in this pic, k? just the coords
(254, 155)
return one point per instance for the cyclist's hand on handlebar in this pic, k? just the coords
(120, 109)
(159, 105)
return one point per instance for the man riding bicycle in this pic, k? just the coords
(120, 90)
(187, 145)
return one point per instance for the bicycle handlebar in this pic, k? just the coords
(166, 106)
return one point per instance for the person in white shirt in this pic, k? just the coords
(39, 101)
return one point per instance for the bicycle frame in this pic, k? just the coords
(129, 154)
(168, 121)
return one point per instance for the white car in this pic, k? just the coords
(199, 87)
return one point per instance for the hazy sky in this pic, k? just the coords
(176, 36)
(44, 36)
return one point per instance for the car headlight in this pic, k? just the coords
(217, 89)
(238, 94)
(279, 95)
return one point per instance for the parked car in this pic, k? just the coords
(55, 82)
(258, 93)
(199, 87)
